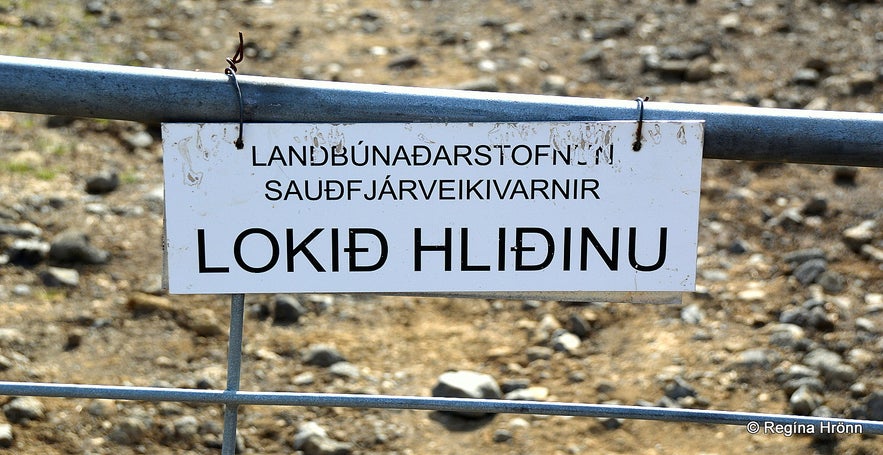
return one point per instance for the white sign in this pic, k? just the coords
(425, 208)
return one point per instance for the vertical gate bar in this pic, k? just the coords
(234, 364)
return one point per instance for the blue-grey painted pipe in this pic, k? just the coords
(234, 368)
(157, 95)
(433, 404)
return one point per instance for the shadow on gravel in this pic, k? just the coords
(453, 422)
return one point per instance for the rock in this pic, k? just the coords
(528, 394)
(752, 295)
(138, 139)
(803, 401)
(487, 65)
(866, 325)
(22, 289)
(344, 370)
(22, 230)
(813, 383)
(874, 406)
(515, 28)
(141, 303)
(57, 277)
(819, 103)
(404, 62)
(287, 309)
(74, 247)
(5, 363)
(23, 410)
(672, 69)
(858, 390)
(806, 76)
(579, 326)
(807, 272)
(483, 84)
(258, 310)
(129, 431)
(305, 378)
(837, 85)
(565, 341)
(605, 29)
(795, 258)
(545, 328)
(861, 358)
(730, 22)
(786, 335)
(796, 371)
(739, 246)
(692, 314)
(699, 69)
(840, 375)
(502, 435)
(27, 252)
(204, 322)
(665, 402)
(467, 384)
(312, 439)
(509, 385)
(795, 316)
(831, 281)
(6, 438)
(102, 408)
(102, 183)
(822, 359)
(186, 426)
(594, 55)
(74, 340)
(306, 431)
(95, 7)
(820, 320)
(872, 252)
(10, 336)
(539, 353)
(554, 84)
(857, 236)
(816, 206)
(610, 423)
(862, 83)
(755, 358)
(322, 355)
(678, 388)
(831, 366)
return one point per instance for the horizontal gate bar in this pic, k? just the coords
(752, 421)
(157, 95)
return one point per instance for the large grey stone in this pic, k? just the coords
(24, 409)
(74, 247)
(467, 384)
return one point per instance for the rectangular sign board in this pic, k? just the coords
(454, 208)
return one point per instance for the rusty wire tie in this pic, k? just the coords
(231, 71)
(636, 146)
